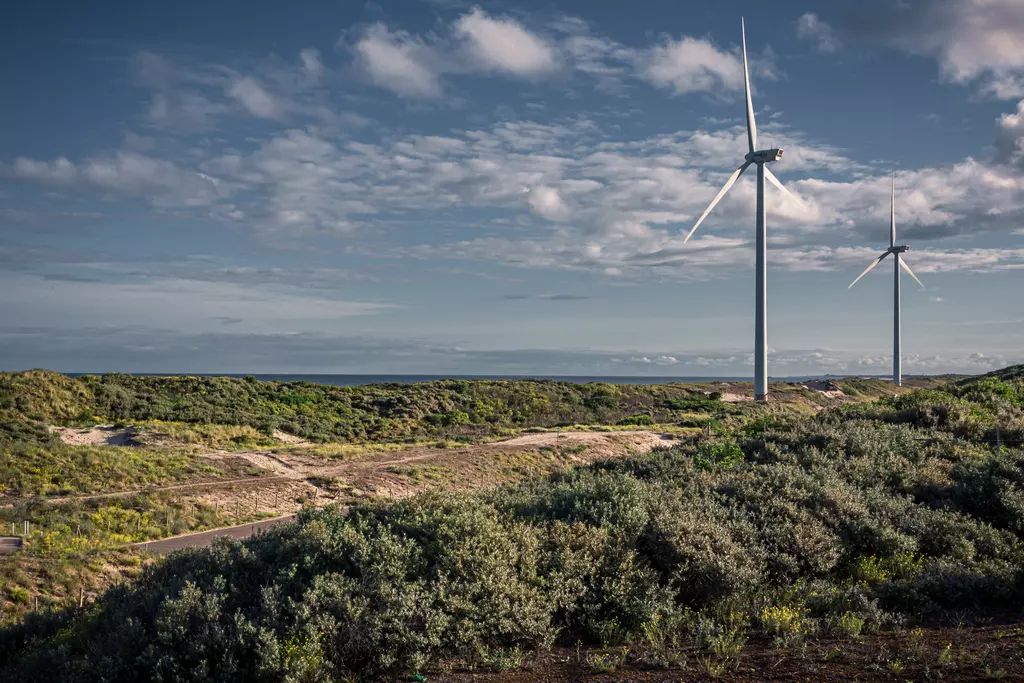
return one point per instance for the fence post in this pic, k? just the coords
(999, 441)
(81, 596)
(256, 504)
(26, 528)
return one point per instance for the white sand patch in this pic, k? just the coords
(100, 435)
(290, 439)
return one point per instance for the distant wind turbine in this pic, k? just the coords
(761, 288)
(897, 378)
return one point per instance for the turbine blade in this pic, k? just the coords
(911, 273)
(751, 123)
(868, 269)
(778, 183)
(721, 193)
(892, 214)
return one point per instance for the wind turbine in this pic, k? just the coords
(897, 378)
(760, 158)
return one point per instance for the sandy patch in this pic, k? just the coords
(100, 435)
(729, 397)
(290, 439)
(825, 387)
(641, 440)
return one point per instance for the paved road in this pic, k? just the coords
(205, 538)
(9, 544)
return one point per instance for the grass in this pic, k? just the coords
(442, 409)
(85, 543)
(218, 436)
(58, 469)
(781, 525)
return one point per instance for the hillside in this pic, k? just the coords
(868, 522)
(391, 412)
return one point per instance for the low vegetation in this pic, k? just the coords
(866, 517)
(383, 412)
(52, 468)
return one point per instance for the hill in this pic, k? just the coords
(864, 519)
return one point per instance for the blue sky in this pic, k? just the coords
(503, 187)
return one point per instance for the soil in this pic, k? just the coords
(100, 435)
(977, 652)
(279, 483)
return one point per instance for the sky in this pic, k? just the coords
(448, 187)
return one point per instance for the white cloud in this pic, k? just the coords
(972, 40)
(1010, 137)
(399, 62)
(185, 305)
(546, 202)
(125, 173)
(657, 360)
(186, 111)
(504, 44)
(692, 65)
(311, 62)
(415, 66)
(187, 96)
(251, 95)
(810, 27)
(617, 207)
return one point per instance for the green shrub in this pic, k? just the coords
(853, 519)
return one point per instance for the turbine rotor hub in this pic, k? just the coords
(765, 156)
(899, 249)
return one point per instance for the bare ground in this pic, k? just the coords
(964, 652)
(264, 482)
(100, 435)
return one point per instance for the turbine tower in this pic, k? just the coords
(761, 158)
(895, 250)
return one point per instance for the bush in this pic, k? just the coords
(847, 520)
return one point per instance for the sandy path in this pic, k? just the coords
(295, 479)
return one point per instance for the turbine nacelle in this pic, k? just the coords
(765, 156)
(900, 249)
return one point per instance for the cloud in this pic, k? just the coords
(657, 360)
(810, 27)
(139, 143)
(547, 297)
(979, 40)
(187, 305)
(188, 96)
(1009, 145)
(311, 62)
(255, 99)
(692, 65)
(608, 204)
(226, 348)
(399, 62)
(546, 202)
(477, 43)
(503, 44)
(124, 173)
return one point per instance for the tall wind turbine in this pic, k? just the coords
(760, 158)
(897, 378)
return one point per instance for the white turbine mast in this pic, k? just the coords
(897, 377)
(761, 158)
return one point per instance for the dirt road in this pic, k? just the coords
(205, 538)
